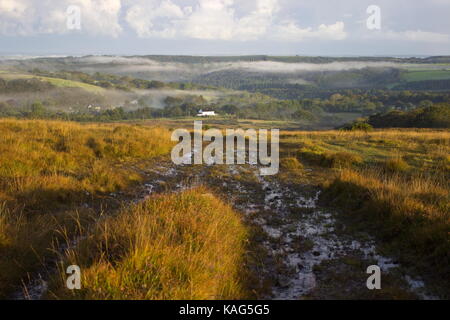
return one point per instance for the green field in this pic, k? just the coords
(423, 75)
(61, 83)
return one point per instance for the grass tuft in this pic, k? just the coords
(396, 165)
(173, 246)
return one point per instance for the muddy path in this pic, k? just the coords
(301, 250)
(309, 253)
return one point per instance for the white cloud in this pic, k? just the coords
(12, 8)
(13, 14)
(217, 20)
(226, 20)
(211, 20)
(29, 17)
(208, 20)
(102, 16)
(142, 18)
(290, 31)
(259, 21)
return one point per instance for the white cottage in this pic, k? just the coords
(202, 113)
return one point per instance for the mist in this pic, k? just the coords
(150, 69)
(283, 67)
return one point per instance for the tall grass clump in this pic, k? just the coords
(187, 245)
(291, 164)
(396, 165)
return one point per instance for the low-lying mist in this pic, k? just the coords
(77, 99)
(151, 69)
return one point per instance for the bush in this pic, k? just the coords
(437, 116)
(361, 126)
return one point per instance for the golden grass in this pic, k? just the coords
(410, 213)
(401, 134)
(174, 246)
(421, 148)
(395, 182)
(191, 245)
(291, 164)
(407, 196)
(46, 163)
(48, 169)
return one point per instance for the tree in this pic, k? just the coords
(361, 126)
(37, 110)
(3, 107)
(230, 109)
(173, 101)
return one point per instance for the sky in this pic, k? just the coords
(225, 27)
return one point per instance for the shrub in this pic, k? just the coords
(361, 126)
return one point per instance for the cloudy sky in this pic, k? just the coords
(224, 27)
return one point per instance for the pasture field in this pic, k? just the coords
(421, 75)
(61, 83)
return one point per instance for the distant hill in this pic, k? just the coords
(437, 116)
(291, 59)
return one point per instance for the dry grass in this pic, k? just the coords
(396, 165)
(175, 246)
(191, 245)
(394, 183)
(411, 214)
(400, 134)
(48, 169)
(291, 164)
(408, 196)
(52, 163)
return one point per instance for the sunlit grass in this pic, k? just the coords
(62, 83)
(48, 169)
(394, 182)
(188, 245)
